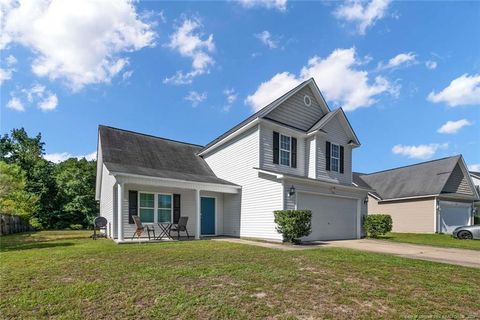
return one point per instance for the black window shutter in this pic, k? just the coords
(132, 205)
(341, 159)
(176, 208)
(294, 152)
(276, 147)
(327, 155)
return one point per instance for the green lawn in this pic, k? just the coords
(66, 275)
(438, 240)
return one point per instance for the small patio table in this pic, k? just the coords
(164, 230)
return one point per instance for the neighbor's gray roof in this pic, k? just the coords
(421, 179)
(135, 153)
(475, 173)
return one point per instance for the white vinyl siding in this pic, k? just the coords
(187, 206)
(336, 135)
(295, 113)
(266, 151)
(311, 148)
(234, 162)
(107, 201)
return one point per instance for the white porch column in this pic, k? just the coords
(120, 211)
(198, 214)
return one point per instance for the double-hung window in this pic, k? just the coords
(164, 208)
(155, 208)
(285, 150)
(335, 158)
(147, 207)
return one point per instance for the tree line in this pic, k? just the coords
(49, 195)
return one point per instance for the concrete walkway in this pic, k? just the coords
(462, 257)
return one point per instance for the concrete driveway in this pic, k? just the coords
(463, 257)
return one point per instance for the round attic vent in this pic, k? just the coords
(307, 100)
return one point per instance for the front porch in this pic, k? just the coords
(210, 208)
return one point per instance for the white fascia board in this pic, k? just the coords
(232, 135)
(283, 177)
(177, 183)
(284, 128)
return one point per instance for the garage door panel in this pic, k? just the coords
(333, 218)
(453, 215)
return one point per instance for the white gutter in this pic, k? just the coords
(281, 176)
(120, 174)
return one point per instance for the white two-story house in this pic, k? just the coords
(292, 154)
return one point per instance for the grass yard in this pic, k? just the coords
(438, 240)
(66, 275)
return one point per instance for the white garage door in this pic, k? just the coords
(453, 215)
(333, 218)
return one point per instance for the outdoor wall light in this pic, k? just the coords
(365, 201)
(291, 192)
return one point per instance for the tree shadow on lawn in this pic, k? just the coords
(33, 240)
(32, 245)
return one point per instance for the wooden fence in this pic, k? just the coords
(13, 224)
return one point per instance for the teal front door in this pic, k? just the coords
(207, 210)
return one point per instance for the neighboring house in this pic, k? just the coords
(433, 196)
(293, 154)
(476, 181)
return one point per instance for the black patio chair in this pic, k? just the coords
(100, 223)
(141, 228)
(181, 226)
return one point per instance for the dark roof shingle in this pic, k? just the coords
(421, 179)
(135, 153)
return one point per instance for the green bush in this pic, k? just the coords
(35, 224)
(76, 227)
(293, 224)
(377, 224)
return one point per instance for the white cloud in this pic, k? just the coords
(474, 167)
(81, 42)
(272, 89)
(361, 13)
(451, 127)
(39, 94)
(187, 40)
(338, 78)
(5, 74)
(266, 38)
(402, 59)
(422, 151)
(231, 97)
(49, 103)
(464, 90)
(431, 64)
(62, 156)
(15, 104)
(195, 98)
(11, 60)
(280, 5)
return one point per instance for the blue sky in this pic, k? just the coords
(407, 73)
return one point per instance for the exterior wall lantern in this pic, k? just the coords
(365, 201)
(292, 191)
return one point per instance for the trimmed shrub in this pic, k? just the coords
(76, 227)
(293, 224)
(377, 224)
(36, 224)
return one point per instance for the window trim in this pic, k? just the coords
(155, 206)
(332, 157)
(280, 149)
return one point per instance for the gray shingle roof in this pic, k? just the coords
(135, 153)
(421, 179)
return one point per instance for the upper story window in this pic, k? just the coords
(335, 158)
(285, 150)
